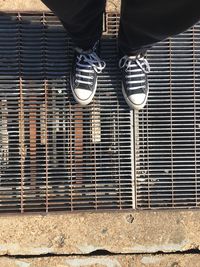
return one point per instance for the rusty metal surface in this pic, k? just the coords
(56, 155)
(60, 156)
(167, 147)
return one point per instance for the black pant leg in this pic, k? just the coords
(146, 22)
(81, 18)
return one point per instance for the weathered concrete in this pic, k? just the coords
(20, 5)
(106, 261)
(113, 5)
(83, 233)
(37, 5)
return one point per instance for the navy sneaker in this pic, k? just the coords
(134, 80)
(83, 78)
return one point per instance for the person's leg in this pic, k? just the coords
(146, 22)
(83, 21)
(81, 18)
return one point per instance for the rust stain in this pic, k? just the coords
(33, 136)
(78, 144)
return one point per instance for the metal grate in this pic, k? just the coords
(54, 154)
(168, 130)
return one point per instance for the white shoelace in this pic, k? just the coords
(87, 64)
(135, 75)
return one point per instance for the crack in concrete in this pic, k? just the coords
(102, 253)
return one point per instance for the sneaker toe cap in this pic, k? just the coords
(83, 94)
(137, 99)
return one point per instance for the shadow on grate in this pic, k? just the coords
(54, 154)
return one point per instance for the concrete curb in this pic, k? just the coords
(115, 232)
(175, 260)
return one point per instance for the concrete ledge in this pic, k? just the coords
(83, 233)
(37, 5)
(175, 260)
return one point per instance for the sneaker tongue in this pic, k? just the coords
(86, 64)
(85, 86)
(81, 51)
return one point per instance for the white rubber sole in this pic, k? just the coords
(80, 101)
(131, 104)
